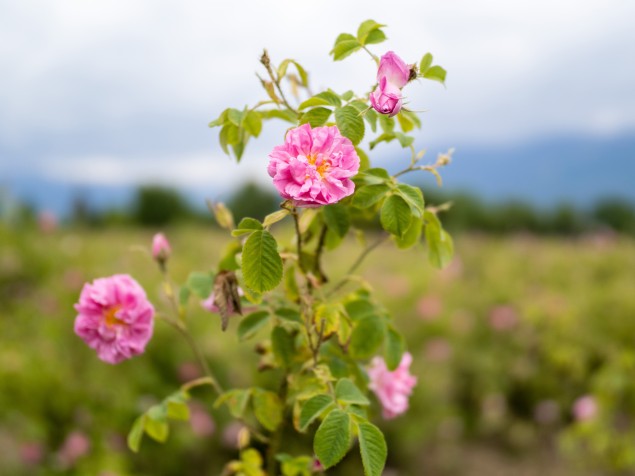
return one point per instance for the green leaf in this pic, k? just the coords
(275, 217)
(365, 28)
(426, 62)
(386, 123)
(253, 123)
(200, 284)
(403, 139)
(350, 123)
(251, 324)
(345, 45)
(177, 408)
(358, 309)
(332, 438)
(413, 197)
(235, 117)
(435, 73)
(267, 408)
(385, 137)
(368, 195)
(316, 117)
(364, 161)
(283, 346)
(261, 263)
(346, 392)
(395, 216)
(289, 314)
(409, 117)
(136, 433)
(314, 408)
(372, 447)
(325, 98)
(156, 425)
(283, 114)
(394, 347)
(282, 71)
(184, 295)
(412, 235)
(375, 36)
(236, 401)
(440, 245)
(337, 219)
(220, 120)
(367, 337)
(247, 225)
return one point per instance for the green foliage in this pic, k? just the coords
(372, 447)
(332, 438)
(314, 408)
(158, 206)
(396, 215)
(261, 263)
(440, 244)
(350, 123)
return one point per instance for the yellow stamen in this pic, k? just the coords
(110, 318)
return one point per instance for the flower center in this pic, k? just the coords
(322, 168)
(110, 319)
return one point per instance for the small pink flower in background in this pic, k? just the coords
(188, 371)
(392, 75)
(32, 453)
(503, 318)
(160, 247)
(47, 221)
(392, 388)
(438, 350)
(200, 420)
(114, 317)
(429, 307)
(314, 166)
(546, 412)
(74, 447)
(585, 408)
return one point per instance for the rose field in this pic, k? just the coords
(523, 350)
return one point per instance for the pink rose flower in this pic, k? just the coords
(114, 317)
(314, 166)
(392, 75)
(160, 247)
(392, 388)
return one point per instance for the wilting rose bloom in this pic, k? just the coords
(585, 408)
(314, 166)
(209, 304)
(160, 247)
(392, 388)
(114, 317)
(392, 75)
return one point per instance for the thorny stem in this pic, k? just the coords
(357, 263)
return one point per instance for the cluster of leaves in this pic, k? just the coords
(316, 337)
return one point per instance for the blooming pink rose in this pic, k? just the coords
(114, 317)
(314, 166)
(160, 247)
(392, 388)
(392, 75)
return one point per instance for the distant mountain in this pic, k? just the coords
(578, 170)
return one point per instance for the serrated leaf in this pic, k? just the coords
(247, 225)
(289, 314)
(368, 195)
(267, 408)
(253, 123)
(350, 123)
(413, 197)
(394, 347)
(425, 63)
(365, 28)
(283, 346)
(136, 433)
(412, 235)
(374, 37)
(177, 409)
(332, 438)
(386, 123)
(405, 122)
(327, 318)
(367, 337)
(316, 117)
(435, 73)
(385, 137)
(236, 401)
(325, 98)
(364, 161)
(337, 219)
(346, 392)
(395, 216)
(345, 45)
(251, 324)
(275, 217)
(372, 447)
(261, 263)
(409, 116)
(358, 309)
(283, 114)
(404, 139)
(440, 245)
(235, 117)
(157, 429)
(200, 283)
(314, 408)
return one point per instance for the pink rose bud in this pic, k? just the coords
(160, 248)
(114, 317)
(392, 75)
(386, 98)
(392, 388)
(393, 69)
(314, 166)
(585, 408)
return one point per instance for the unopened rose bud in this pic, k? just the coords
(161, 248)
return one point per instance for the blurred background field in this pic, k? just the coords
(505, 341)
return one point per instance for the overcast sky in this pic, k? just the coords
(121, 91)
